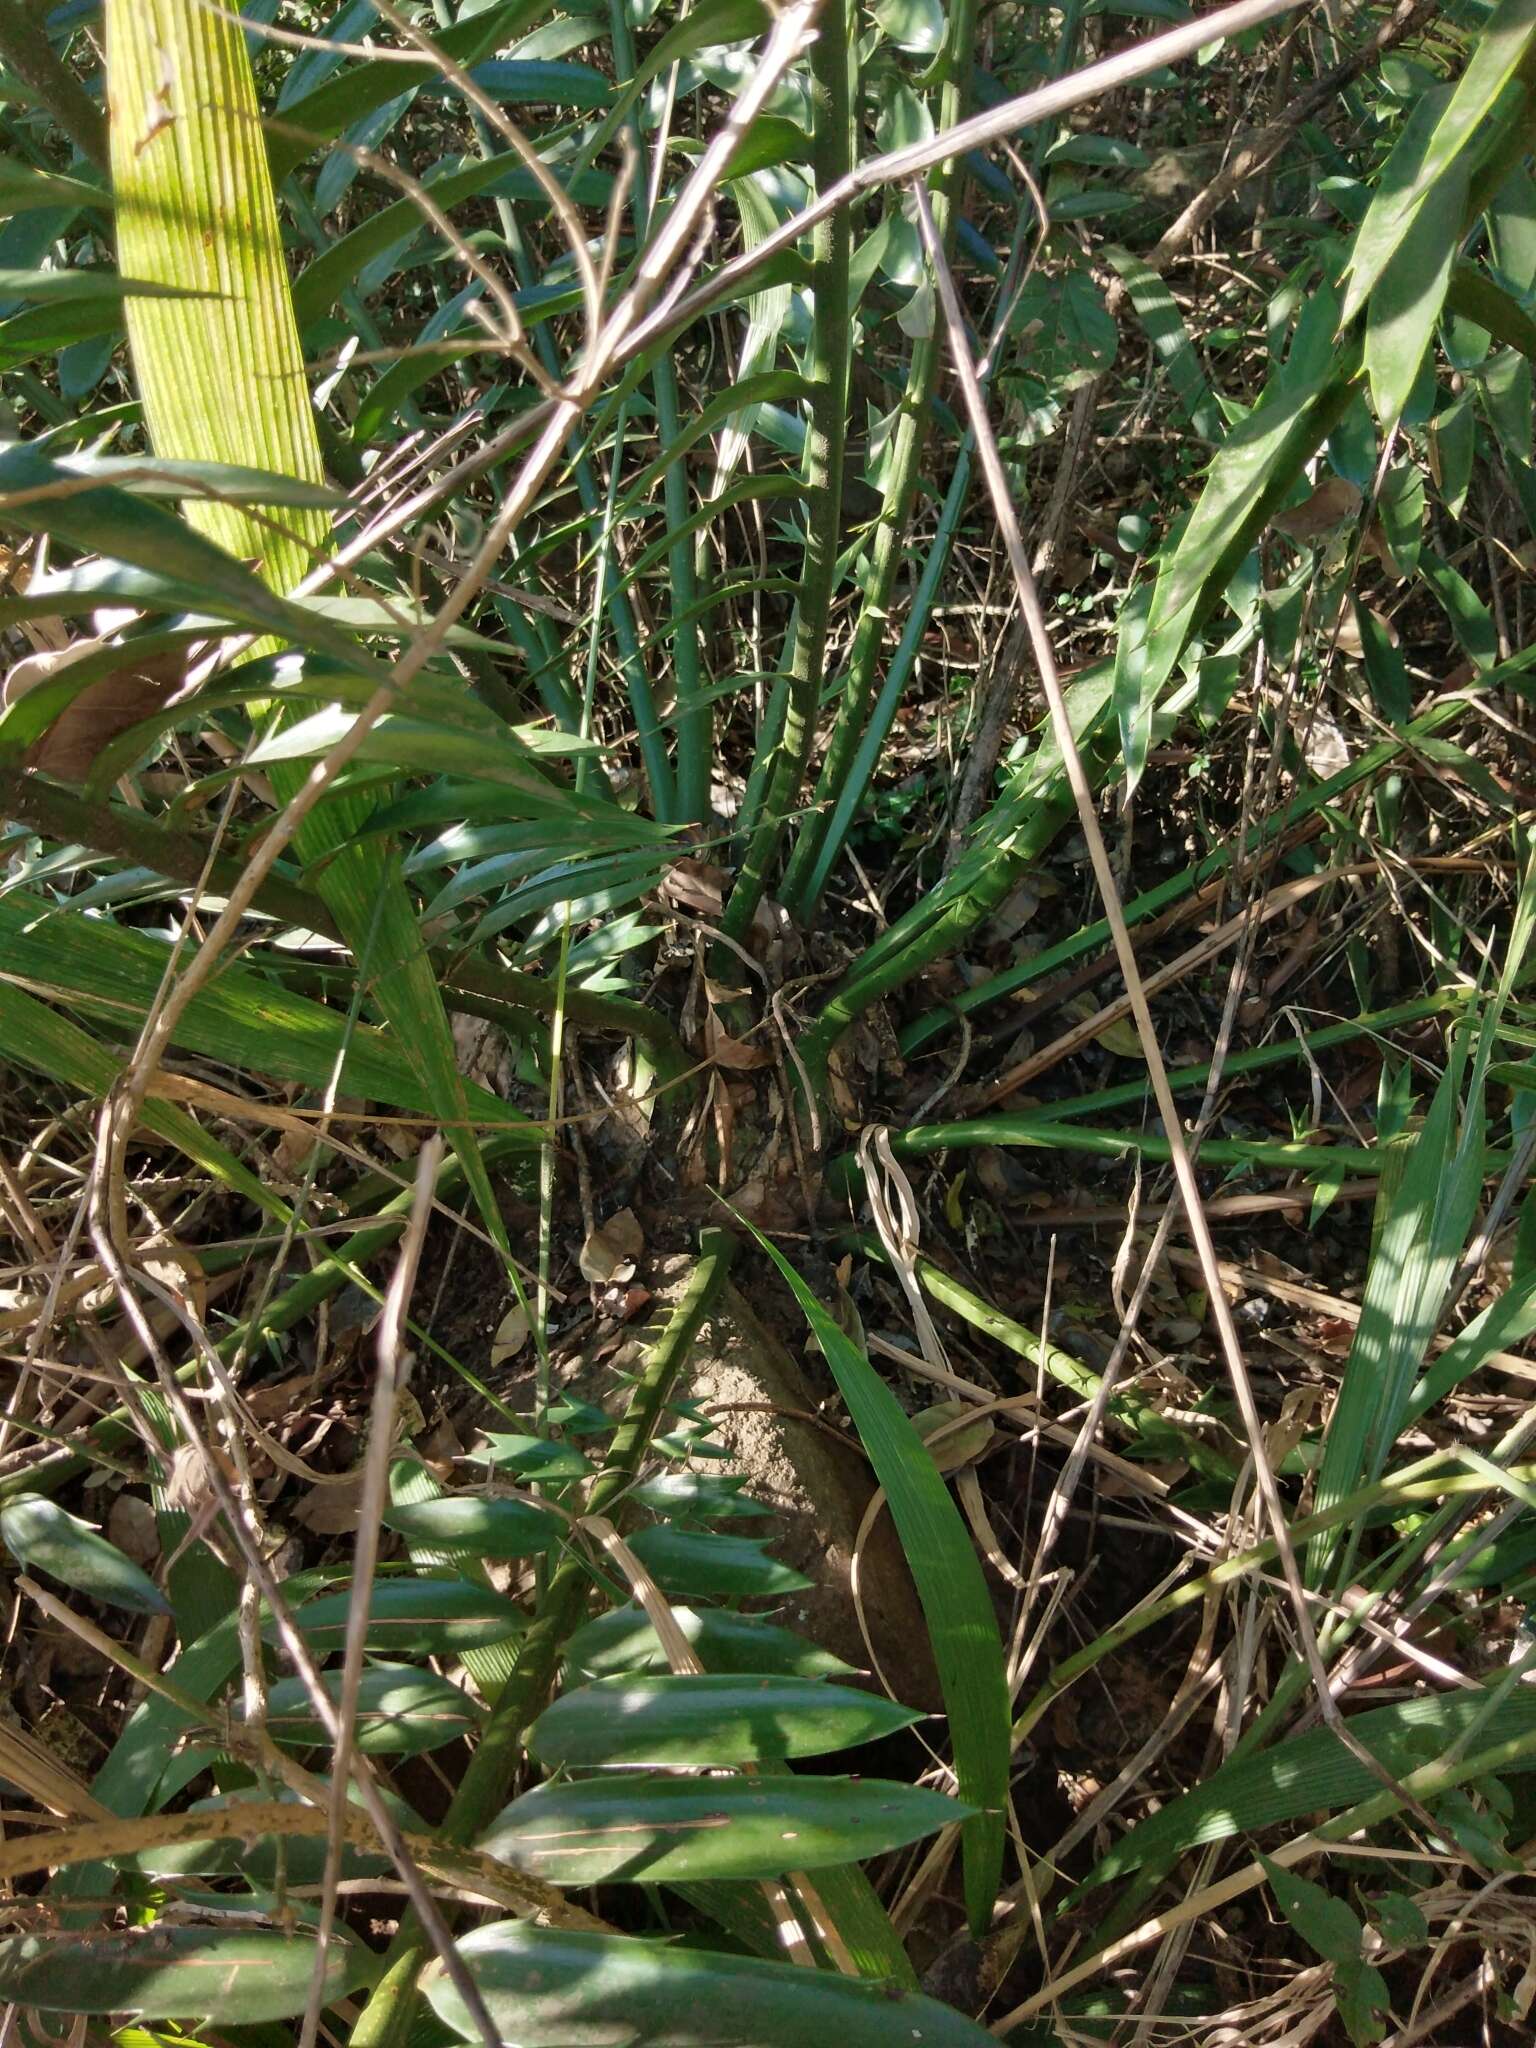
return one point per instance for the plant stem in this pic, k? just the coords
(807, 872)
(826, 371)
(389, 2014)
(26, 50)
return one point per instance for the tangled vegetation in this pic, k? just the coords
(765, 767)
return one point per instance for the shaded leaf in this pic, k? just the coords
(485, 1528)
(41, 1534)
(651, 1829)
(164, 1973)
(624, 1640)
(400, 1712)
(550, 1989)
(715, 1719)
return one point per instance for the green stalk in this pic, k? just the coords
(1089, 937)
(826, 370)
(693, 715)
(1255, 1061)
(1042, 1133)
(26, 50)
(808, 868)
(388, 2017)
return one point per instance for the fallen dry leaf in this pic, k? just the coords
(1334, 501)
(609, 1254)
(732, 1053)
(695, 885)
(103, 709)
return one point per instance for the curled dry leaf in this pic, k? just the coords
(102, 710)
(734, 1054)
(511, 1334)
(1334, 501)
(695, 885)
(952, 1440)
(609, 1254)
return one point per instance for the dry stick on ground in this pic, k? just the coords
(1157, 1072)
(389, 1383)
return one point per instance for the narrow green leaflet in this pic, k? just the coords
(653, 1830)
(400, 1711)
(1315, 1773)
(715, 1719)
(241, 1017)
(39, 1533)
(694, 1561)
(1428, 1212)
(38, 1038)
(623, 1640)
(415, 1617)
(531, 1457)
(550, 1989)
(484, 1528)
(697, 1496)
(1159, 315)
(1406, 303)
(223, 1974)
(297, 1859)
(1418, 162)
(962, 1623)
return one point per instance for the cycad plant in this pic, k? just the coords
(487, 486)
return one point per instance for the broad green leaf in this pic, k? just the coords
(484, 1528)
(957, 1605)
(1165, 329)
(715, 1719)
(1470, 619)
(414, 1617)
(38, 495)
(151, 476)
(1421, 159)
(695, 1561)
(400, 1712)
(1315, 1773)
(25, 189)
(1427, 1212)
(222, 1974)
(1406, 302)
(624, 1640)
(1453, 440)
(42, 1535)
(52, 286)
(1327, 1922)
(1064, 328)
(654, 1830)
(332, 103)
(550, 1989)
(1250, 469)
